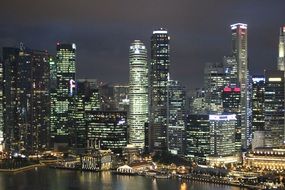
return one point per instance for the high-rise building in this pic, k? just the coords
(281, 54)
(158, 78)
(274, 108)
(239, 50)
(107, 130)
(138, 93)
(86, 99)
(197, 137)
(26, 99)
(121, 97)
(176, 117)
(257, 98)
(65, 90)
(214, 82)
(1, 108)
(230, 68)
(222, 135)
(197, 102)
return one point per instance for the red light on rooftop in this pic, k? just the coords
(227, 89)
(236, 89)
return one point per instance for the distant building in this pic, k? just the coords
(197, 137)
(121, 97)
(138, 93)
(158, 78)
(274, 108)
(197, 102)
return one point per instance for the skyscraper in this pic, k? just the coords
(281, 48)
(197, 137)
(258, 90)
(239, 50)
(214, 82)
(138, 93)
(176, 117)
(26, 99)
(159, 75)
(274, 108)
(222, 134)
(65, 89)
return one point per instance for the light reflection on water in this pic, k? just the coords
(52, 179)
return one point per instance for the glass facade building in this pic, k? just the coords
(158, 78)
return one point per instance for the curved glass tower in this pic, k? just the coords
(138, 93)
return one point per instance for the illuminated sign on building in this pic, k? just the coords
(222, 117)
(275, 79)
(72, 86)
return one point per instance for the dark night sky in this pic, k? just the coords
(104, 29)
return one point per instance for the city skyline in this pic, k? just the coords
(103, 44)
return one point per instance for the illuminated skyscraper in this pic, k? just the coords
(65, 89)
(197, 137)
(1, 108)
(86, 99)
(258, 90)
(281, 60)
(222, 135)
(159, 75)
(274, 108)
(26, 99)
(239, 50)
(176, 117)
(138, 93)
(214, 81)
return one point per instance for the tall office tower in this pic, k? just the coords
(197, 137)
(176, 117)
(86, 99)
(158, 78)
(239, 50)
(274, 108)
(106, 130)
(121, 97)
(1, 108)
(138, 93)
(214, 82)
(26, 99)
(65, 90)
(257, 98)
(281, 59)
(222, 135)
